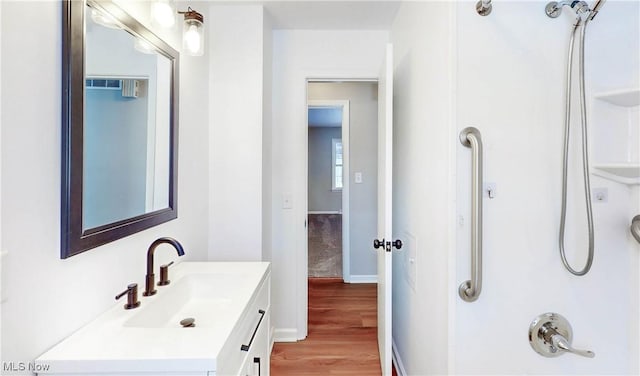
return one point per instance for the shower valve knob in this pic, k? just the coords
(550, 335)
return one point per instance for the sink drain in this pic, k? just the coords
(189, 322)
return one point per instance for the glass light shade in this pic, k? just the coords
(163, 13)
(193, 37)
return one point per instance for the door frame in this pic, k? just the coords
(302, 285)
(344, 206)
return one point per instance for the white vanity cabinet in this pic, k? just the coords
(250, 339)
(231, 305)
(262, 353)
(257, 361)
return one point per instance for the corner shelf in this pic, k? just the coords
(622, 98)
(625, 173)
(616, 126)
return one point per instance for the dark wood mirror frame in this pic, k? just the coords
(74, 239)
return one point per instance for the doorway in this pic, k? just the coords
(328, 130)
(342, 179)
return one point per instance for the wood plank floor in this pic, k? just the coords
(342, 333)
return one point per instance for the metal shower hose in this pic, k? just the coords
(585, 152)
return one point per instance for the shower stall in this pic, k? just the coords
(505, 74)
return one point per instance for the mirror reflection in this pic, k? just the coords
(119, 126)
(126, 136)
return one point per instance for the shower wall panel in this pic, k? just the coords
(510, 85)
(504, 74)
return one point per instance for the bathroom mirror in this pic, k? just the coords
(120, 126)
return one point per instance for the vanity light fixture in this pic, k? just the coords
(193, 33)
(163, 13)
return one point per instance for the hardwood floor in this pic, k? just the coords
(342, 333)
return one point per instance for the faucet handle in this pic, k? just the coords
(561, 343)
(550, 335)
(164, 274)
(132, 296)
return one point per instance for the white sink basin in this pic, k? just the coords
(202, 297)
(149, 339)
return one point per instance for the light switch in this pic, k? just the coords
(358, 177)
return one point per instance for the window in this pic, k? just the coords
(336, 164)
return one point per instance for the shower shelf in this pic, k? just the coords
(616, 126)
(622, 98)
(625, 173)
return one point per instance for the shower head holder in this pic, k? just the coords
(554, 8)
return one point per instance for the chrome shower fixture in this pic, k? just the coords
(554, 8)
(483, 7)
(635, 227)
(596, 9)
(584, 16)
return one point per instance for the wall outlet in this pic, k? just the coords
(358, 177)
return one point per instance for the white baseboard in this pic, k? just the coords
(363, 278)
(397, 361)
(285, 335)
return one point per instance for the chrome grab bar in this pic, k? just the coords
(470, 290)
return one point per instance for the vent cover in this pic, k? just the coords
(101, 83)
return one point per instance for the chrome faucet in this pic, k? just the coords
(150, 279)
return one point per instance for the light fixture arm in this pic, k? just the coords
(191, 14)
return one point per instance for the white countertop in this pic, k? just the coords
(115, 342)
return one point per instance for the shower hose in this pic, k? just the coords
(585, 152)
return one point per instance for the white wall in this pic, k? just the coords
(517, 103)
(422, 191)
(267, 50)
(1, 249)
(363, 158)
(321, 196)
(49, 298)
(508, 82)
(634, 294)
(297, 56)
(236, 39)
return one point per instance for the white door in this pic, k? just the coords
(385, 143)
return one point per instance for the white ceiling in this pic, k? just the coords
(328, 15)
